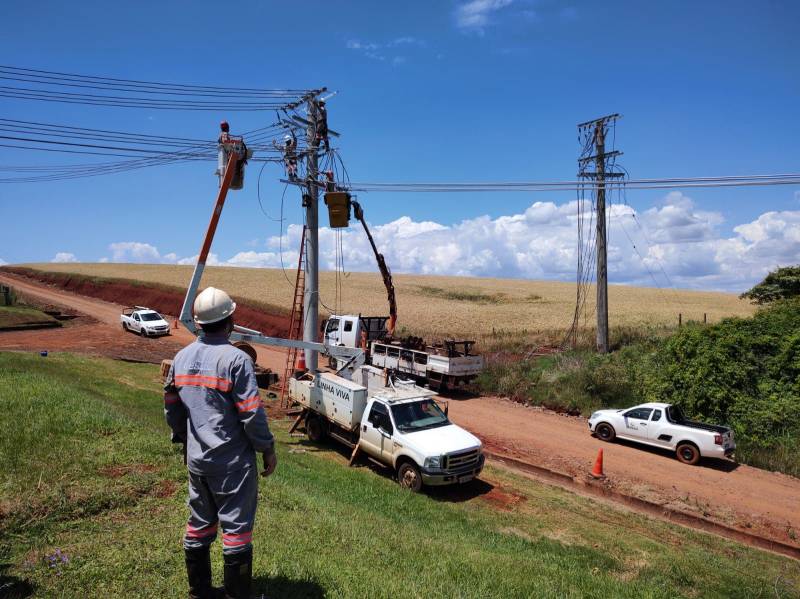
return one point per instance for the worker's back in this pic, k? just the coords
(216, 384)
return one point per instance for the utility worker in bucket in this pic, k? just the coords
(212, 405)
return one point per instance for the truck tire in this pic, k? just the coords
(409, 477)
(143, 332)
(605, 432)
(125, 327)
(687, 453)
(315, 429)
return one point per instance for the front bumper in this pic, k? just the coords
(437, 478)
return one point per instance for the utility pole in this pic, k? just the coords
(311, 205)
(597, 128)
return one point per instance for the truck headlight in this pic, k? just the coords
(433, 463)
(594, 415)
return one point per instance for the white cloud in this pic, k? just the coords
(64, 257)
(382, 51)
(134, 251)
(475, 15)
(674, 243)
(3, 262)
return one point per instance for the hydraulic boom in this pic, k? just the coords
(385, 272)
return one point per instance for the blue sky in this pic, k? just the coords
(435, 91)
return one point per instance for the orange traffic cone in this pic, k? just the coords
(301, 361)
(597, 471)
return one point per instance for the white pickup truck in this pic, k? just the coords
(146, 322)
(399, 425)
(664, 425)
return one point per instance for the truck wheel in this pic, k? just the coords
(315, 430)
(409, 477)
(143, 332)
(605, 432)
(688, 454)
(125, 327)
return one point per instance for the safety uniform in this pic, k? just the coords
(211, 403)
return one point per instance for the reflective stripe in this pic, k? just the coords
(199, 533)
(196, 380)
(235, 540)
(171, 398)
(251, 403)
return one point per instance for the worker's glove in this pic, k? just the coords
(270, 462)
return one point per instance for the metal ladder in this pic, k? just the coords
(296, 321)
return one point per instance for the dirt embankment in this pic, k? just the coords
(163, 299)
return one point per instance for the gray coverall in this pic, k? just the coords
(211, 403)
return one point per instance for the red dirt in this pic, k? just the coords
(753, 500)
(101, 334)
(125, 469)
(503, 499)
(162, 300)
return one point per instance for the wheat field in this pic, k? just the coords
(437, 306)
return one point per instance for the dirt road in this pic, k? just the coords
(101, 334)
(753, 500)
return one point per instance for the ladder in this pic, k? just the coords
(296, 320)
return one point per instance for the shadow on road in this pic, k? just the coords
(722, 465)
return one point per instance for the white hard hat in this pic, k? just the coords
(287, 138)
(212, 305)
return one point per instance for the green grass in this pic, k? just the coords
(25, 317)
(87, 469)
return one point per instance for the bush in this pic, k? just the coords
(742, 372)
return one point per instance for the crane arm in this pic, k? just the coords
(358, 211)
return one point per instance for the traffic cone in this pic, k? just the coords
(597, 471)
(301, 361)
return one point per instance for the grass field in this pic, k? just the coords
(19, 317)
(434, 306)
(92, 505)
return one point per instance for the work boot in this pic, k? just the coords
(238, 574)
(198, 570)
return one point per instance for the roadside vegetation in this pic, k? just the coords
(742, 372)
(92, 503)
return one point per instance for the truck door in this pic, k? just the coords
(658, 429)
(636, 422)
(348, 332)
(376, 432)
(137, 325)
(332, 332)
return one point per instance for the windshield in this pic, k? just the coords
(418, 415)
(151, 316)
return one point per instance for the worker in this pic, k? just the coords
(289, 149)
(330, 182)
(212, 405)
(322, 126)
(224, 135)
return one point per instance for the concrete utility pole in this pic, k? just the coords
(311, 204)
(598, 178)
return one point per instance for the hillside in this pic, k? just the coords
(437, 306)
(95, 506)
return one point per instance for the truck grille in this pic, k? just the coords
(462, 460)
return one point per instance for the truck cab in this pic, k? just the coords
(395, 423)
(408, 431)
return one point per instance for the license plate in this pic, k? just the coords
(466, 479)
